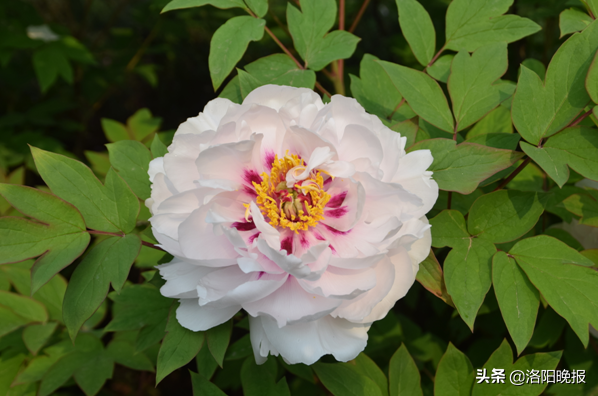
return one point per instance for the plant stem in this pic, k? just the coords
(449, 199)
(339, 83)
(580, 119)
(286, 51)
(515, 173)
(435, 57)
(359, 15)
(396, 109)
(455, 132)
(144, 243)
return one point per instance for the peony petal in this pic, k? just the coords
(179, 163)
(358, 309)
(193, 317)
(307, 342)
(181, 278)
(341, 283)
(155, 166)
(291, 304)
(414, 177)
(198, 240)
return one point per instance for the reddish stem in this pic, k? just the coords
(515, 173)
(359, 15)
(435, 57)
(580, 119)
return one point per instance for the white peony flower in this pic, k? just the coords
(41, 32)
(310, 217)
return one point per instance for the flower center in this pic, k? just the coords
(297, 207)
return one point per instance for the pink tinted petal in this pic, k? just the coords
(311, 265)
(346, 204)
(277, 97)
(225, 163)
(403, 280)
(198, 240)
(307, 342)
(358, 142)
(196, 318)
(414, 177)
(268, 234)
(358, 309)
(291, 303)
(218, 283)
(341, 283)
(179, 163)
(260, 287)
(181, 278)
(209, 119)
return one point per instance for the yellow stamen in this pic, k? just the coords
(274, 211)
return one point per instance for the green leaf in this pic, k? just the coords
(576, 147)
(131, 161)
(123, 352)
(540, 110)
(423, 94)
(179, 347)
(203, 387)
(376, 93)
(10, 320)
(100, 163)
(448, 229)
(217, 339)
(454, 376)
(80, 361)
(309, 29)
(259, 380)
(504, 215)
(548, 330)
(471, 24)
(559, 274)
(573, 20)
(467, 273)
(441, 69)
(276, 69)
(431, 277)
(418, 29)
(110, 207)
(132, 305)
(517, 298)
(27, 307)
(341, 380)
(49, 62)
(232, 91)
(9, 368)
(35, 336)
(114, 130)
(206, 365)
(592, 80)
(531, 178)
(506, 141)
(462, 167)
(566, 237)
(259, 7)
(94, 373)
(59, 236)
(108, 262)
(503, 358)
(585, 206)
(179, 4)
(158, 148)
(471, 83)
(534, 65)
(152, 333)
(142, 124)
(229, 43)
(403, 374)
(363, 365)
